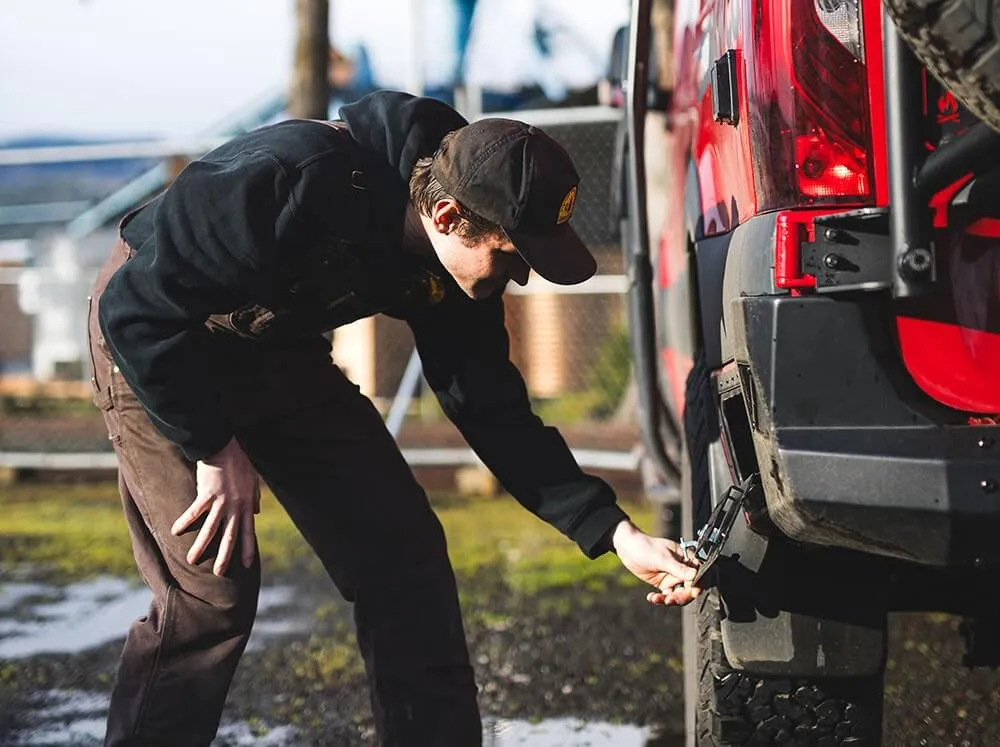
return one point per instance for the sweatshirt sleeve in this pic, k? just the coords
(215, 236)
(464, 350)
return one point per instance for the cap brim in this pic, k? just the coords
(558, 256)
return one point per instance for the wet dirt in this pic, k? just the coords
(566, 651)
(556, 670)
(560, 670)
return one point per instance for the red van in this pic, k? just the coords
(816, 330)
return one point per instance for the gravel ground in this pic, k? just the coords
(599, 657)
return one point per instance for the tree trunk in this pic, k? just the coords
(309, 92)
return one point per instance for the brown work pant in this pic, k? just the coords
(323, 449)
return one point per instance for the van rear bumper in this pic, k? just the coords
(851, 453)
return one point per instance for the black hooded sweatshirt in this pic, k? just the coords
(251, 222)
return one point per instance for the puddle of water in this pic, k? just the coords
(561, 733)
(77, 719)
(79, 733)
(286, 622)
(60, 704)
(12, 593)
(63, 718)
(241, 734)
(94, 612)
(87, 614)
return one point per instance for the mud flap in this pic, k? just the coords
(790, 610)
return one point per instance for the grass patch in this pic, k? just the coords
(531, 556)
(65, 532)
(70, 532)
(30, 405)
(73, 532)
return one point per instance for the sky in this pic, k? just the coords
(174, 68)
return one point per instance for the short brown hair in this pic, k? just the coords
(426, 191)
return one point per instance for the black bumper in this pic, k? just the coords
(851, 452)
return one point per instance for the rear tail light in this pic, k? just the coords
(829, 77)
(810, 78)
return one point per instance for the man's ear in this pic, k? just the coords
(445, 215)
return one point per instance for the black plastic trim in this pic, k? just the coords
(725, 91)
(711, 254)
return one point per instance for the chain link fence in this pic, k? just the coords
(571, 344)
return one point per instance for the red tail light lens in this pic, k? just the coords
(831, 139)
(810, 81)
(827, 171)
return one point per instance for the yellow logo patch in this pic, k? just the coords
(566, 209)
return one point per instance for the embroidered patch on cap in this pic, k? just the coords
(566, 209)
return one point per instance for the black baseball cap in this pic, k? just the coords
(516, 176)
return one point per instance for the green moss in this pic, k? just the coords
(257, 726)
(530, 555)
(324, 662)
(10, 674)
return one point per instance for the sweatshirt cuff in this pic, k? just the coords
(203, 449)
(593, 534)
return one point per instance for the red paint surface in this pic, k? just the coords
(957, 366)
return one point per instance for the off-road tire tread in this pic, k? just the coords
(959, 42)
(735, 708)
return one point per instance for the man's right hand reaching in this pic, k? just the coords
(229, 490)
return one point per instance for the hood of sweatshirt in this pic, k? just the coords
(396, 130)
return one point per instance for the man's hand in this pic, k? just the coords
(658, 562)
(229, 490)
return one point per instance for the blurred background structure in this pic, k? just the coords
(65, 181)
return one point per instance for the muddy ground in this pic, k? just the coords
(535, 659)
(567, 652)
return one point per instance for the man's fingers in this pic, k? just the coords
(248, 539)
(225, 546)
(680, 596)
(669, 583)
(683, 595)
(190, 515)
(667, 600)
(677, 568)
(673, 590)
(206, 534)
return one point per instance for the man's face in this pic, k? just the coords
(481, 267)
